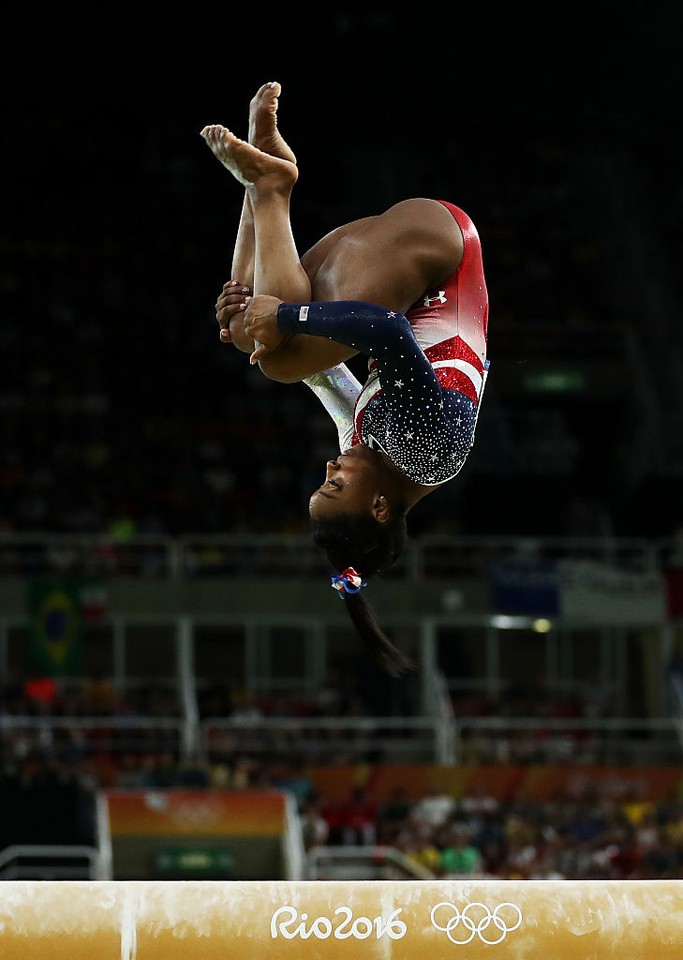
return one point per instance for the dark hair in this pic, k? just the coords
(370, 547)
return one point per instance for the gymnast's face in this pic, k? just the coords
(351, 485)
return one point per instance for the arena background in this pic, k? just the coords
(557, 136)
(123, 418)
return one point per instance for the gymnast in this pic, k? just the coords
(405, 288)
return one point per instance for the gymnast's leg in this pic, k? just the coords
(268, 181)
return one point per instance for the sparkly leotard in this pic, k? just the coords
(420, 402)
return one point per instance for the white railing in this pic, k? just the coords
(326, 739)
(602, 740)
(293, 847)
(471, 740)
(363, 863)
(320, 741)
(193, 556)
(117, 735)
(56, 862)
(317, 740)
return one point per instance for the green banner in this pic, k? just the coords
(55, 626)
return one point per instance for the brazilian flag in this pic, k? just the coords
(55, 626)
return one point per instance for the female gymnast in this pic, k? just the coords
(406, 288)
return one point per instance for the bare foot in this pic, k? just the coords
(263, 129)
(247, 163)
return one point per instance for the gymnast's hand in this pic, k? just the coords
(260, 323)
(230, 315)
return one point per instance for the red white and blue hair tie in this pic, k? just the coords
(347, 582)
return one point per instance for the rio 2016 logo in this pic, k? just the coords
(287, 922)
(461, 925)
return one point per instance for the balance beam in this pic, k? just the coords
(342, 920)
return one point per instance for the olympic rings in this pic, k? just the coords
(475, 928)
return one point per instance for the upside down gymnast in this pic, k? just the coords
(405, 288)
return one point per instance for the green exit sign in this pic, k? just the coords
(182, 862)
(555, 381)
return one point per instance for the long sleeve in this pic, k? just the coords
(337, 389)
(406, 374)
(423, 425)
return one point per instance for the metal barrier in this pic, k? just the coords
(116, 735)
(603, 740)
(55, 862)
(437, 740)
(363, 863)
(239, 555)
(328, 739)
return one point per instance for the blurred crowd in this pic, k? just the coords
(571, 837)
(122, 413)
(51, 800)
(54, 759)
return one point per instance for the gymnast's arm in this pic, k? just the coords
(389, 259)
(337, 389)
(407, 378)
(406, 375)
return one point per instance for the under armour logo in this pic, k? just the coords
(441, 298)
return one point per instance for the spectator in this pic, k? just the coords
(421, 850)
(393, 815)
(357, 819)
(433, 810)
(458, 856)
(295, 781)
(314, 827)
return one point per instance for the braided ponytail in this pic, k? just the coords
(360, 543)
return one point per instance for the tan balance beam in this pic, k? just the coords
(337, 920)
